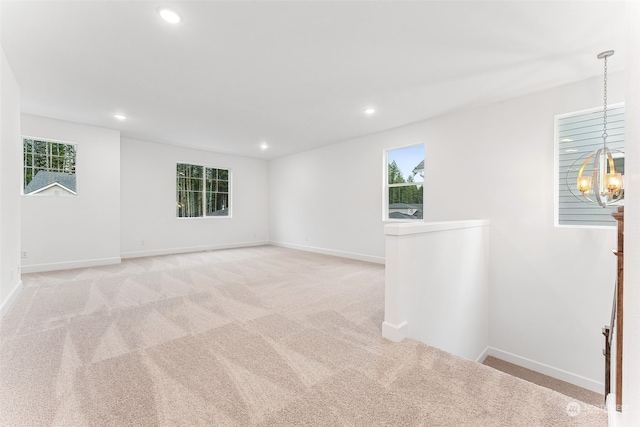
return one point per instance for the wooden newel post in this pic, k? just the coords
(619, 216)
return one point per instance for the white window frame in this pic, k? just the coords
(559, 179)
(386, 185)
(204, 191)
(56, 141)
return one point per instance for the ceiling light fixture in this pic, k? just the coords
(169, 15)
(120, 116)
(369, 111)
(598, 182)
(264, 146)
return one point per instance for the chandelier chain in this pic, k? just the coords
(604, 109)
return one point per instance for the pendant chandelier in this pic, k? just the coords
(598, 183)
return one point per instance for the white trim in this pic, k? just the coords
(37, 268)
(47, 139)
(545, 369)
(49, 186)
(182, 218)
(614, 417)
(10, 299)
(395, 333)
(341, 254)
(483, 355)
(430, 227)
(401, 220)
(171, 251)
(588, 110)
(594, 227)
(556, 172)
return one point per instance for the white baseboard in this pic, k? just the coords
(10, 299)
(393, 332)
(615, 417)
(36, 268)
(545, 369)
(483, 355)
(171, 251)
(341, 254)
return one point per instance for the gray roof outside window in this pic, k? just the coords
(46, 178)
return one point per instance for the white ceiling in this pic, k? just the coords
(294, 74)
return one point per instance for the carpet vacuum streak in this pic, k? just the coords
(260, 336)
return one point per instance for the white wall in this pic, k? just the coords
(631, 351)
(10, 161)
(71, 232)
(149, 202)
(329, 200)
(444, 302)
(551, 288)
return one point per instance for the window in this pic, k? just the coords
(202, 191)
(404, 183)
(577, 135)
(49, 168)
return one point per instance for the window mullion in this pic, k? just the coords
(204, 192)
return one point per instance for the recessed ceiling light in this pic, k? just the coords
(369, 110)
(169, 15)
(264, 146)
(120, 116)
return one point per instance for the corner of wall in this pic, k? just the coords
(9, 300)
(10, 165)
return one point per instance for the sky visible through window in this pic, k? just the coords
(407, 159)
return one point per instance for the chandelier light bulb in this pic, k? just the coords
(584, 184)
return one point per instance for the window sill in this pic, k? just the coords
(203, 217)
(391, 221)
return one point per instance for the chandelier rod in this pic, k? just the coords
(604, 55)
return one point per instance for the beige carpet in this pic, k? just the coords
(578, 393)
(246, 337)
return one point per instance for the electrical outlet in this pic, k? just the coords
(24, 254)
